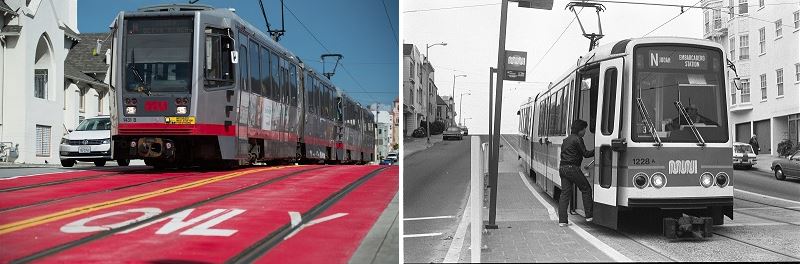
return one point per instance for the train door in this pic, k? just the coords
(547, 154)
(604, 186)
(587, 111)
(244, 98)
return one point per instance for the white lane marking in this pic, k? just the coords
(295, 218)
(422, 235)
(760, 224)
(454, 252)
(550, 210)
(428, 218)
(765, 208)
(509, 144)
(767, 196)
(313, 222)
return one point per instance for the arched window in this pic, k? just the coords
(43, 66)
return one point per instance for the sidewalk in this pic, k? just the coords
(412, 145)
(381, 244)
(764, 161)
(528, 231)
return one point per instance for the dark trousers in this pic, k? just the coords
(573, 175)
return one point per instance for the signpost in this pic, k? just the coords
(502, 67)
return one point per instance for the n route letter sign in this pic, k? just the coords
(515, 65)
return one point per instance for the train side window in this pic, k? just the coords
(218, 66)
(293, 84)
(255, 79)
(609, 99)
(265, 87)
(243, 80)
(275, 93)
(589, 88)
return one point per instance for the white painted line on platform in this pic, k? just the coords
(550, 210)
(422, 235)
(609, 251)
(428, 218)
(760, 224)
(454, 252)
(767, 196)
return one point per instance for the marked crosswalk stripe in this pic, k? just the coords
(31, 222)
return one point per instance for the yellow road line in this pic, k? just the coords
(39, 220)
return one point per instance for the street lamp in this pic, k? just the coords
(460, 104)
(427, 46)
(454, 83)
(428, 102)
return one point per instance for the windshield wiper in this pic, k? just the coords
(685, 115)
(143, 87)
(649, 123)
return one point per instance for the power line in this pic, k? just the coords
(673, 18)
(389, 19)
(447, 8)
(554, 42)
(327, 50)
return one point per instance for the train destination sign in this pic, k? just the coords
(662, 59)
(515, 65)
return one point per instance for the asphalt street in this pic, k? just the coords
(764, 182)
(435, 186)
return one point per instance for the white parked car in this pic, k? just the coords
(743, 156)
(91, 141)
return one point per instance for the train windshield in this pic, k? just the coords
(672, 83)
(158, 55)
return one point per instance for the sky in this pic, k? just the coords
(363, 31)
(472, 36)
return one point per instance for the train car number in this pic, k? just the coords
(643, 161)
(180, 120)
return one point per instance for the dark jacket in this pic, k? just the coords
(573, 151)
(754, 144)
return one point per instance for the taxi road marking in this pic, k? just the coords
(296, 218)
(39, 220)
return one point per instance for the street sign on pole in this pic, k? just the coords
(515, 65)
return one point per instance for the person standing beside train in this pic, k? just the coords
(754, 143)
(573, 151)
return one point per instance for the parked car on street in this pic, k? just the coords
(392, 155)
(743, 156)
(387, 161)
(90, 141)
(452, 133)
(789, 167)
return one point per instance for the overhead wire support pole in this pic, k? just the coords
(492, 71)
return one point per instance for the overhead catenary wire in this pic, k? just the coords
(314, 36)
(673, 18)
(389, 20)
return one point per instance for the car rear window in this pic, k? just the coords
(453, 129)
(94, 124)
(743, 149)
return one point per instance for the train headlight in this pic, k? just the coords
(181, 110)
(722, 179)
(706, 180)
(640, 180)
(131, 110)
(658, 180)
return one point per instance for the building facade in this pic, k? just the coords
(451, 113)
(419, 89)
(761, 40)
(395, 124)
(383, 133)
(36, 36)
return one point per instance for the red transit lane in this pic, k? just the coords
(77, 175)
(336, 234)
(29, 230)
(218, 231)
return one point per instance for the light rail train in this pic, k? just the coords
(196, 85)
(658, 122)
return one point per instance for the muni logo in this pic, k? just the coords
(682, 166)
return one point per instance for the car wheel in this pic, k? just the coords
(100, 163)
(123, 162)
(779, 174)
(67, 163)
